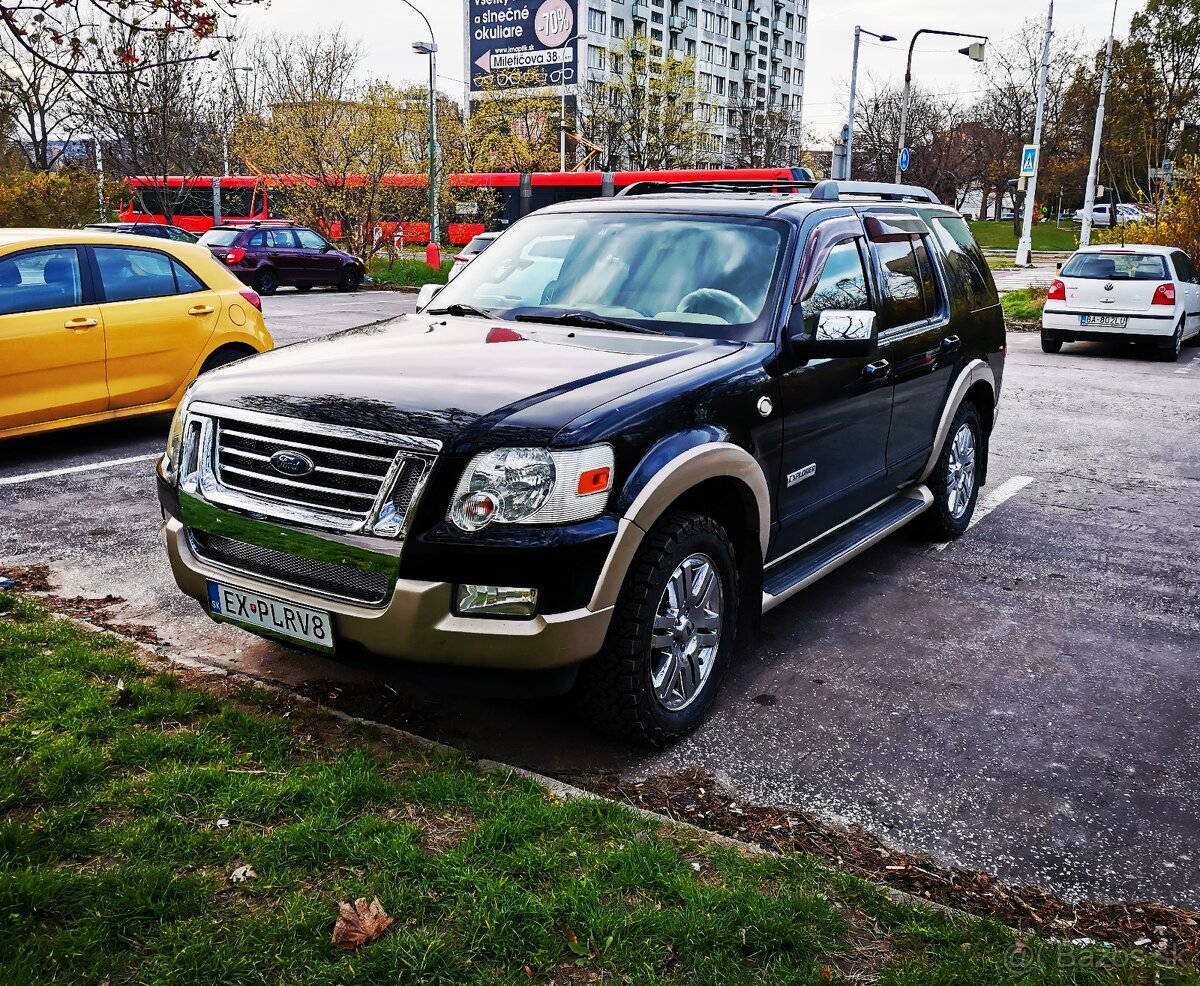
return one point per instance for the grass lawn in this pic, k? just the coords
(410, 272)
(125, 811)
(1045, 236)
(1024, 305)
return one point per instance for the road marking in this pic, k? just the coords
(1190, 366)
(29, 477)
(1005, 491)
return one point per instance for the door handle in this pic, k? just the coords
(80, 324)
(201, 310)
(951, 343)
(877, 369)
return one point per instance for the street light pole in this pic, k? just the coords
(562, 119)
(1025, 244)
(430, 48)
(858, 30)
(1089, 195)
(976, 56)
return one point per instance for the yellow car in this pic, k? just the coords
(98, 326)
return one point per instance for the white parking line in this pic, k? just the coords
(29, 477)
(1190, 366)
(1005, 491)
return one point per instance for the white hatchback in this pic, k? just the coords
(1138, 294)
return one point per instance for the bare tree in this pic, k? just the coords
(766, 135)
(44, 104)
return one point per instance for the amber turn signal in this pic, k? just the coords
(594, 481)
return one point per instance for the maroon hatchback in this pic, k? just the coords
(268, 256)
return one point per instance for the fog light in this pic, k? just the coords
(496, 600)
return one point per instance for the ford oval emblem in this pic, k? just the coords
(292, 463)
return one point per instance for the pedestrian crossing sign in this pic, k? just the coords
(1029, 161)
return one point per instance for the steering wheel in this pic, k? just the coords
(713, 301)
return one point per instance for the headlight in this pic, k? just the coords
(532, 486)
(174, 452)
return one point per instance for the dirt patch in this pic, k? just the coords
(694, 796)
(26, 578)
(99, 612)
(442, 831)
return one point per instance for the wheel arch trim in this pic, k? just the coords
(976, 371)
(683, 472)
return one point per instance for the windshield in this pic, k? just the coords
(1117, 266)
(684, 275)
(220, 237)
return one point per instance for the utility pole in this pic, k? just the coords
(1089, 194)
(1025, 244)
(848, 161)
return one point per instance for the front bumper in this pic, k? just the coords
(417, 622)
(1065, 327)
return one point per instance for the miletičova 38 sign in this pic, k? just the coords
(514, 42)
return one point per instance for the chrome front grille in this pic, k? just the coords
(344, 479)
(319, 577)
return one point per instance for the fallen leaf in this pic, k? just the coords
(826, 974)
(241, 874)
(360, 923)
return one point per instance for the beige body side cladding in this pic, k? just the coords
(418, 623)
(974, 372)
(714, 460)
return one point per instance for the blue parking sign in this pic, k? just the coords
(904, 158)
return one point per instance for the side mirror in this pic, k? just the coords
(426, 294)
(1058, 266)
(326, 248)
(839, 333)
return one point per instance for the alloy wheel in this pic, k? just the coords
(687, 632)
(960, 471)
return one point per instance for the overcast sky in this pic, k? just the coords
(387, 29)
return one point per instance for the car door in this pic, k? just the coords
(835, 411)
(51, 338)
(1188, 283)
(285, 255)
(158, 317)
(914, 335)
(322, 264)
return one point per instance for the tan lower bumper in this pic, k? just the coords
(418, 624)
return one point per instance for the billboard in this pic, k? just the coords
(514, 42)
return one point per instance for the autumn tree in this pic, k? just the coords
(644, 111)
(514, 129)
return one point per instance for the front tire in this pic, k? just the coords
(350, 280)
(1051, 345)
(671, 636)
(955, 479)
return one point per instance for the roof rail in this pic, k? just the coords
(719, 185)
(831, 191)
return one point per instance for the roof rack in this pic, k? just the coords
(718, 185)
(820, 191)
(832, 191)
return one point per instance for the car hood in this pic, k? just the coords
(461, 381)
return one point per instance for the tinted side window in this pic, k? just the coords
(964, 260)
(310, 240)
(185, 281)
(842, 286)
(903, 299)
(258, 239)
(929, 283)
(40, 280)
(1184, 268)
(129, 275)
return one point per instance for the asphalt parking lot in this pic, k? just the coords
(1024, 701)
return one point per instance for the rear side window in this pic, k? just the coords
(910, 289)
(40, 280)
(185, 281)
(280, 239)
(131, 275)
(842, 286)
(1184, 268)
(220, 237)
(1117, 266)
(965, 262)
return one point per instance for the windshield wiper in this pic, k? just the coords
(585, 320)
(468, 311)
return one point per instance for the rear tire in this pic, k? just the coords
(266, 282)
(1051, 345)
(671, 636)
(1170, 352)
(955, 479)
(350, 280)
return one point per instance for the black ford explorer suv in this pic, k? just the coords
(623, 432)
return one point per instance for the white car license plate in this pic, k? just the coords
(313, 626)
(1104, 321)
